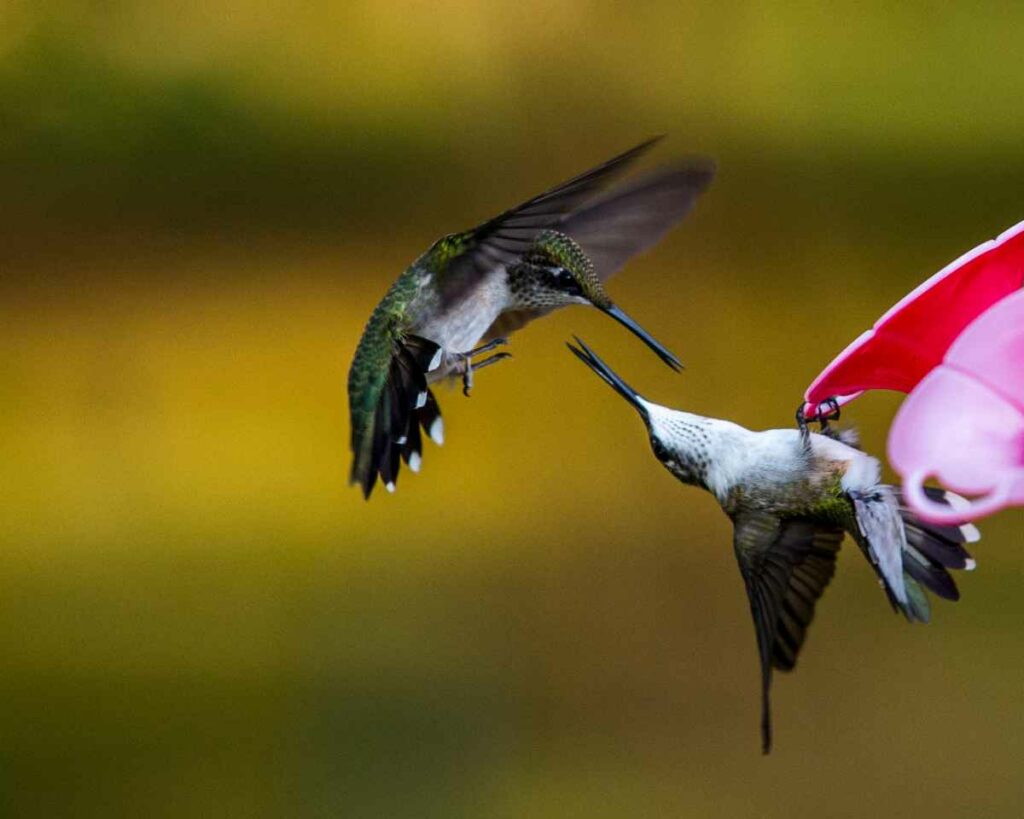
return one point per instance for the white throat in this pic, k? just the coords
(707, 452)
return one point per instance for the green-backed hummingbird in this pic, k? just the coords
(464, 295)
(792, 496)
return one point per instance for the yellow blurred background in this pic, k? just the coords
(202, 203)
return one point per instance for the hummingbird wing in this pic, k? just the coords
(786, 565)
(463, 259)
(633, 217)
(625, 221)
(881, 537)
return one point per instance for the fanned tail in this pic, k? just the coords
(389, 432)
(931, 550)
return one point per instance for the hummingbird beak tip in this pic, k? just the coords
(626, 321)
(606, 374)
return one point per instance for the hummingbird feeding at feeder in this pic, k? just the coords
(792, 496)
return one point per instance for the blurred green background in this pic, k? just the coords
(201, 204)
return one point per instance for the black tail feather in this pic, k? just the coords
(932, 550)
(413, 443)
(404, 403)
(407, 372)
(424, 352)
(429, 416)
(942, 543)
(929, 574)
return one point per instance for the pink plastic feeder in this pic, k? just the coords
(964, 423)
(913, 336)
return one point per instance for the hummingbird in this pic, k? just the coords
(792, 495)
(447, 314)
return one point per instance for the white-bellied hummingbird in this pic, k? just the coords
(792, 496)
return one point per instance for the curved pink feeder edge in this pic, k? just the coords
(912, 337)
(932, 512)
(964, 423)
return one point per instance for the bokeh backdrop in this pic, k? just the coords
(201, 204)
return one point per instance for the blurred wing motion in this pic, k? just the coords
(633, 217)
(912, 337)
(471, 255)
(786, 565)
(625, 221)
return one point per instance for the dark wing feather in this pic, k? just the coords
(625, 221)
(633, 217)
(466, 257)
(880, 536)
(786, 565)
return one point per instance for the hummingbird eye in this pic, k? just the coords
(564, 281)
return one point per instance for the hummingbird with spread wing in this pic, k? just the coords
(792, 496)
(469, 290)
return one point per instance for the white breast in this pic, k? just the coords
(460, 328)
(766, 458)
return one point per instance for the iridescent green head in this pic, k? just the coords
(555, 272)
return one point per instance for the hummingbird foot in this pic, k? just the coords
(831, 414)
(466, 366)
(801, 424)
(467, 375)
(493, 344)
(828, 411)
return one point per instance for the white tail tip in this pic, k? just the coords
(961, 504)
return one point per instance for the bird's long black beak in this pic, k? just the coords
(607, 374)
(622, 318)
